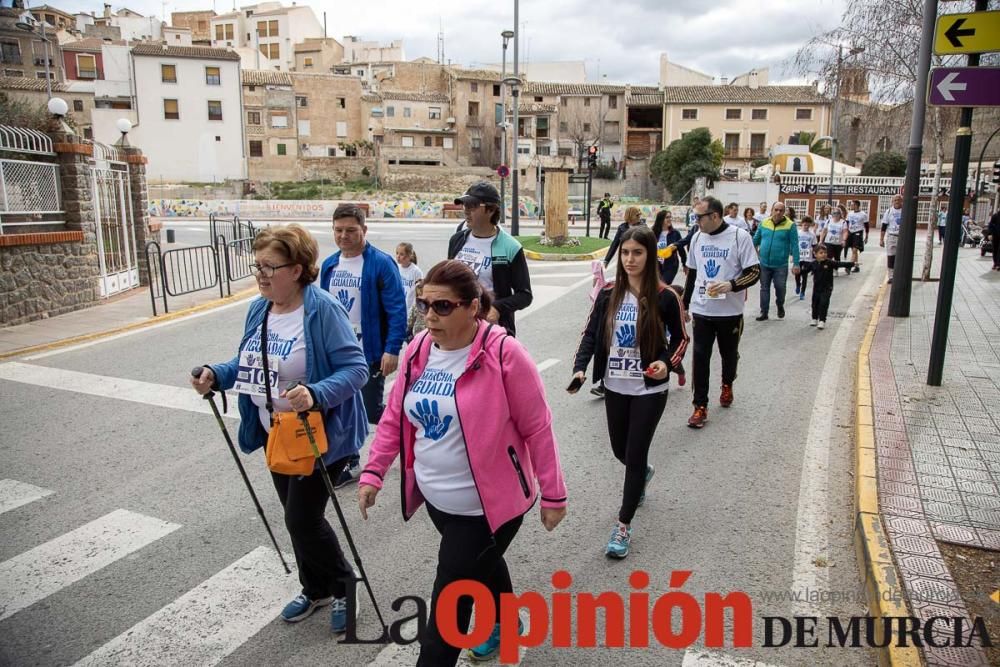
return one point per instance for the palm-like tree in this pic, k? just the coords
(821, 147)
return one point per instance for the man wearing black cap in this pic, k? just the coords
(495, 256)
(604, 213)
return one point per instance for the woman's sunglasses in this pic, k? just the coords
(442, 307)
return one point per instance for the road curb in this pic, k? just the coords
(557, 257)
(881, 578)
(166, 317)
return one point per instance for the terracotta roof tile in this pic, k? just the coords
(199, 52)
(743, 95)
(261, 77)
(414, 97)
(28, 83)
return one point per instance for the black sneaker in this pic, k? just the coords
(597, 390)
(781, 312)
(762, 317)
(856, 269)
(350, 473)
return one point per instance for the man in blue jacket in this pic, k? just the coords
(776, 239)
(366, 282)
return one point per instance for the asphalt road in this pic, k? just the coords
(185, 576)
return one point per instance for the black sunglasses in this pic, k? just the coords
(442, 307)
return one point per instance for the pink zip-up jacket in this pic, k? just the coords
(505, 421)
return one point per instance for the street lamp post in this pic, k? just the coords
(506, 35)
(515, 207)
(27, 23)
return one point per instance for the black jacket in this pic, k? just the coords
(593, 344)
(604, 210)
(823, 273)
(511, 282)
(617, 241)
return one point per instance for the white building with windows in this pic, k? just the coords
(188, 116)
(269, 28)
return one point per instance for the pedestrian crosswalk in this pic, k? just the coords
(14, 494)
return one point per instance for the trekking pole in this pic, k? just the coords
(304, 418)
(210, 397)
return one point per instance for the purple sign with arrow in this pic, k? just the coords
(964, 87)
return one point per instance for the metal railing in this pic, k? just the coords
(237, 256)
(182, 271)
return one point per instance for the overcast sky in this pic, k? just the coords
(621, 39)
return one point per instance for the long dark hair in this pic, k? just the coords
(661, 218)
(461, 280)
(649, 327)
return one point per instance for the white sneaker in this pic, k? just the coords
(821, 325)
(812, 323)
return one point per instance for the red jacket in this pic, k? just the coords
(505, 421)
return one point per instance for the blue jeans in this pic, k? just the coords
(778, 276)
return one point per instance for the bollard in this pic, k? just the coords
(170, 236)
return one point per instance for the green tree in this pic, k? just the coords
(884, 164)
(686, 159)
(817, 147)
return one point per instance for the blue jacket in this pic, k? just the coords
(383, 302)
(335, 372)
(776, 243)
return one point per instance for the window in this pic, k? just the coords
(223, 31)
(267, 29)
(301, 101)
(360, 72)
(215, 109)
(88, 133)
(543, 150)
(758, 144)
(271, 51)
(390, 112)
(563, 126)
(731, 142)
(13, 72)
(449, 143)
(281, 149)
(439, 141)
(341, 102)
(564, 101)
(539, 98)
(307, 62)
(10, 52)
(758, 114)
(407, 112)
(170, 110)
(341, 128)
(331, 151)
(474, 109)
(256, 148)
(350, 151)
(86, 66)
(524, 150)
(434, 113)
(475, 87)
(586, 127)
(41, 75)
(279, 119)
(586, 101)
(800, 206)
(498, 113)
(477, 143)
(613, 102)
(803, 114)
(689, 114)
(407, 141)
(542, 127)
(168, 73)
(213, 76)
(428, 141)
(304, 128)
(496, 90)
(77, 105)
(565, 152)
(253, 118)
(734, 114)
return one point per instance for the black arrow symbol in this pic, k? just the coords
(954, 33)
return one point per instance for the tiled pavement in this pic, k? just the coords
(938, 448)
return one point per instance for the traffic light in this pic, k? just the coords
(996, 172)
(592, 158)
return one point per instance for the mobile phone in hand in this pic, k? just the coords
(575, 384)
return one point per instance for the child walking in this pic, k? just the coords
(823, 269)
(409, 273)
(807, 241)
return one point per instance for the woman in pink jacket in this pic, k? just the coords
(470, 420)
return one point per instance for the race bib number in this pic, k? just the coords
(703, 294)
(624, 363)
(250, 374)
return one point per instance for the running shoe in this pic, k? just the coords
(649, 475)
(821, 325)
(856, 269)
(621, 537)
(350, 473)
(762, 317)
(796, 290)
(699, 417)
(781, 312)
(338, 615)
(726, 396)
(302, 607)
(812, 323)
(802, 297)
(489, 648)
(682, 379)
(598, 390)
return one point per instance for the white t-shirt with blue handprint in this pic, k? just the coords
(345, 286)
(286, 349)
(624, 372)
(441, 463)
(719, 257)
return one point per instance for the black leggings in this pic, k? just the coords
(821, 303)
(802, 279)
(632, 421)
(467, 551)
(323, 570)
(727, 330)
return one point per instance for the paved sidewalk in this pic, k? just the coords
(938, 448)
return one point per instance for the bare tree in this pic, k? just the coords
(583, 126)
(890, 32)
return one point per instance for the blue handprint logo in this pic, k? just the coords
(346, 299)
(712, 268)
(626, 335)
(427, 414)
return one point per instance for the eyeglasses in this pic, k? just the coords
(699, 216)
(267, 271)
(442, 307)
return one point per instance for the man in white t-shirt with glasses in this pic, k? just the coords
(721, 263)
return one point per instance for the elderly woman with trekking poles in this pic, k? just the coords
(297, 334)
(470, 424)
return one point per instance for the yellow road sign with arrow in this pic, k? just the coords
(976, 32)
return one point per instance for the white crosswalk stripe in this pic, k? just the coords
(50, 567)
(14, 494)
(207, 623)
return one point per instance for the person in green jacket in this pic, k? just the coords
(776, 239)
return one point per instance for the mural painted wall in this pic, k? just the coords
(399, 207)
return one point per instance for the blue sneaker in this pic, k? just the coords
(796, 290)
(489, 648)
(618, 545)
(649, 476)
(338, 615)
(302, 607)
